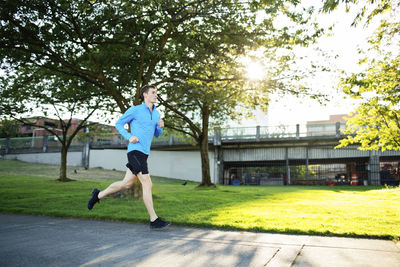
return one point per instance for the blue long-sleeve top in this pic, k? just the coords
(144, 125)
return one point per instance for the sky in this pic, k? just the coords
(344, 42)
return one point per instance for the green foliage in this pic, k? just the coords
(31, 89)
(9, 128)
(118, 46)
(369, 10)
(190, 49)
(375, 124)
(208, 84)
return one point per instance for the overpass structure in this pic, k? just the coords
(283, 155)
(279, 155)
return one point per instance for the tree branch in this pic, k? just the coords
(388, 127)
(156, 59)
(179, 129)
(192, 126)
(81, 125)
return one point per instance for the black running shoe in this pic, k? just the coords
(94, 198)
(159, 224)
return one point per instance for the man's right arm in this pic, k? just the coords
(127, 117)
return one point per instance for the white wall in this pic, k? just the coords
(108, 159)
(184, 165)
(73, 158)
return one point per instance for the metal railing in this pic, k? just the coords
(282, 131)
(216, 135)
(37, 143)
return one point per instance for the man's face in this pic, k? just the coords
(151, 95)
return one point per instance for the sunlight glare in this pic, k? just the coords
(255, 71)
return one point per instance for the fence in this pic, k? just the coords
(282, 131)
(216, 134)
(35, 144)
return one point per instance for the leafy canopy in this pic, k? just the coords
(375, 124)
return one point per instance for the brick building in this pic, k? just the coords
(101, 132)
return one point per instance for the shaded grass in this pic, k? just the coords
(333, 211)
(53, 171)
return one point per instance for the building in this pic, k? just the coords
(35, 131)
(326, 127)
(99, 133)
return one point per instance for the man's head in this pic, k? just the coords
(149, 93)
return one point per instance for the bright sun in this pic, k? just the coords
(255, 71)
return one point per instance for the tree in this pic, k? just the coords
(113, 46)
(33, 90)
(118, 46)
(208, 85)
(375, 124)
(9, 128)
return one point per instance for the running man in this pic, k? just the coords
(145, 122)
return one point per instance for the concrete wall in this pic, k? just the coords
(179, 164)
(184, 165)
(73, 158)
(108, 159)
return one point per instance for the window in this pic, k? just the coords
(50, 124)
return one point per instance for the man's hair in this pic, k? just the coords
(145, 89)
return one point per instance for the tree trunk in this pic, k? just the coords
(63, 166)
(136, 191)
(205, 161)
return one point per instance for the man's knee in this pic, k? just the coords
(147, 184)
(145, 180)
(150, 184)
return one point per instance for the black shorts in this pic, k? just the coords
(137, 162)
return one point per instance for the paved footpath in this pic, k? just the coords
(46, 241)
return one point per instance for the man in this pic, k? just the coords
(144, 123)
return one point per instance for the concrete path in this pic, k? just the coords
(45, 241)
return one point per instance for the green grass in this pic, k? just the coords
(362, 211)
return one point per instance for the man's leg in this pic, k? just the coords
(126, 183)
(147, 194)
(155, 221)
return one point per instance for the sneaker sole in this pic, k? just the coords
(160, 228)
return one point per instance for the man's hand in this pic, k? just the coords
(161, 123)
(133, 139)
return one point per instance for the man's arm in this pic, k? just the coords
(124, 119)
(159, 128)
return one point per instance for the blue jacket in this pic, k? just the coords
(144, 125)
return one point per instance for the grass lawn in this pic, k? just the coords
(361, 211)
